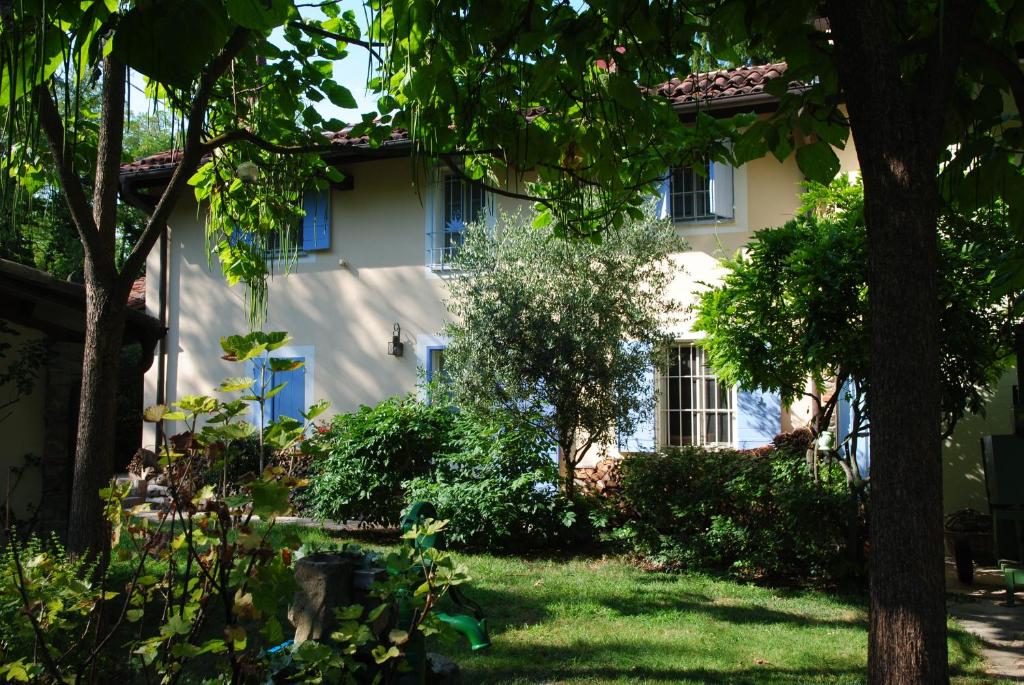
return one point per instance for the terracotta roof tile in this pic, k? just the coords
(715, 85)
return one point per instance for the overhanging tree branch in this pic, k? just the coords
(245, 135)
(74, 193)
(192, 152)
(316, 30)
(449, 162)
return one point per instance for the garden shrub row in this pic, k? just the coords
(752, 513)
(749, 513)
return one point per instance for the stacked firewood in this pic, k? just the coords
(602, 478)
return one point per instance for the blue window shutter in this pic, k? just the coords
(844, 420)
(238, 235)
(722, 201)
(644, 437)
(291, 401)
(663, 208)
(758, 418)
(316, 225)
(430, 361)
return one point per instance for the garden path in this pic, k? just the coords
(982, 610)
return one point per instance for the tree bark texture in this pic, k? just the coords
(106, 309)
(896, 121)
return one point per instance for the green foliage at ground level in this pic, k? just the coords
(749, 514)
(490, 476)
(602, 620)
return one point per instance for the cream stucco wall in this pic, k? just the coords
(962, 472)
(23, 429)
(343, 313)
(341, 303)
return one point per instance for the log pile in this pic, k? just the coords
(602, 478)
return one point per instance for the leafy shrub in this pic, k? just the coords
(369, 455)
(751, 514)
(196, 592)
(497, 487)
(55, 584)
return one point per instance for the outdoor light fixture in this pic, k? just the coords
(396, 347)
(247, 172)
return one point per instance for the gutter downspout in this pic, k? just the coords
(146, 205)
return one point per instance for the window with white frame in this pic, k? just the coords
(700, 194)
(457, 205)
(435, 364)
(694, 407)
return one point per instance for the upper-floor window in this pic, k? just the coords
(457, 204)
(699, 194)
(310, 234)
(694, 407)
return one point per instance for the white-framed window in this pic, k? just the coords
(694, 407)
(454, 205)
(697, 195)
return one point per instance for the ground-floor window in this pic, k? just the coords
(435, 364)
(694, 407)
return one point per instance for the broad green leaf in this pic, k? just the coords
(259, 15)
(171, 41)
(155, 413)
(34, 66)
(236, 384)
(818, 162)
(269, 498)
(284, 364)
(316, 410)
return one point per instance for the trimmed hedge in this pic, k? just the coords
(753, 514)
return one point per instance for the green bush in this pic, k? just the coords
(56, 584)
(367, 457)
(496, 487)
(751, 514)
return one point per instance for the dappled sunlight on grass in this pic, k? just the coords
(601, 620)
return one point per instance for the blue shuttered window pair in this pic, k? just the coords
(291, 401)
(316, 224)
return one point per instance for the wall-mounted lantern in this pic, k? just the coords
(396, 347)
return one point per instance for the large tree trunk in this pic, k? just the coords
(897, 116)
(908, 601)
(106, 308)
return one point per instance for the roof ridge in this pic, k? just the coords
(722, 84)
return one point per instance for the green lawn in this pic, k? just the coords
(597, 620)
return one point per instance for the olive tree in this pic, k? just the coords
(560, 333)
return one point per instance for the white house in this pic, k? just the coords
(370, 262)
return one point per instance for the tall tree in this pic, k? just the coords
(237, 92)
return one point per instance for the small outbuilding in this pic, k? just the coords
(42, 333)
